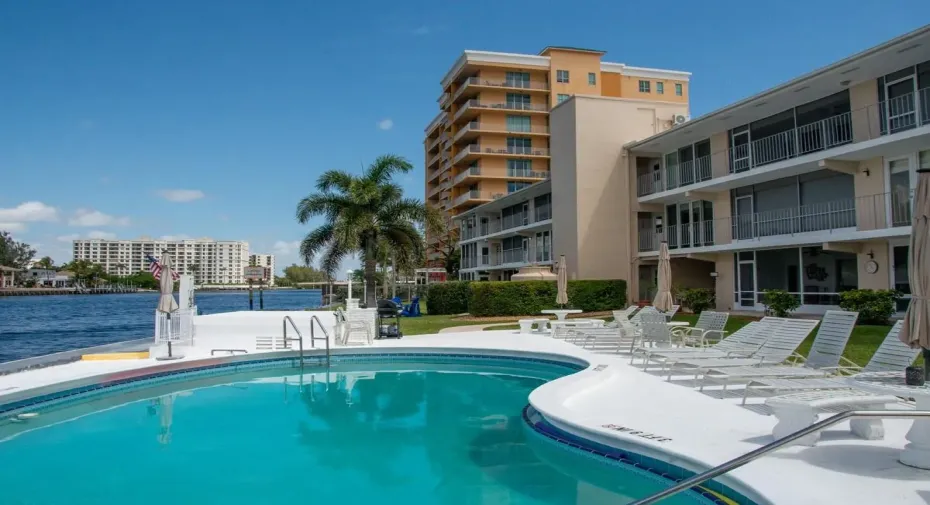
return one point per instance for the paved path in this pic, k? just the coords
(474, 327)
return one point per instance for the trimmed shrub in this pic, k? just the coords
(697, 300)
(874, 307)
(447, 298)
(779, 302)
(522, 298)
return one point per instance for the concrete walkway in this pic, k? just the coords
(474, 327)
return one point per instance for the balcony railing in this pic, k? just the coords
(476, 126)
(539, 214)
(520, 151)
(474, 195)
(470, 171)
(527, 174)
(433, 160)
(517, 84)
(887, 210)
(688, 172)
(888, 117)
(518, 106)
(433, 143)
(443, 100)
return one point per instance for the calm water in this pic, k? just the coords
(387, 437)
(37, 325)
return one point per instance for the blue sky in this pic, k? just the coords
(128, 118)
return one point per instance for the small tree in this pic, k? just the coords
(444, 239)
(779, 302)
(15, 254)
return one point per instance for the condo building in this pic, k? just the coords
(266, 261)
(495, 138)
(806, 187)
(210, 261)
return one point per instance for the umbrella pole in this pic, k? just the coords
(926, 354)
(168, 317)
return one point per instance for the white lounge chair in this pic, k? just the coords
(670, 314)
(797, 411)
(608, 340)
(743, 342)
(785, 338)
(824, 358)
(625, 313)
(655, 330)
(710, 324)
(638, 316)
(891, 356)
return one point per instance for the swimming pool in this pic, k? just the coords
(423, 431)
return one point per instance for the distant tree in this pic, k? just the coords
(85, 272)
(296, 273)
(444, 240)
(14, 254)
(46, 262)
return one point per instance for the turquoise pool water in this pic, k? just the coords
(397, 435)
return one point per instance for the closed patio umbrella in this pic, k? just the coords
(166, 302)
(561, 297)
(663, 301)
(915, 331)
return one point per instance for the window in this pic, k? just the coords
(518, 101)
(518, 124)
(518, 79)
(519, 145)
(678, 90)
(592, 79)
(519, 168)
(561, 98)
(660, 88)
(516, 186)
(644, 86)
(561, 75)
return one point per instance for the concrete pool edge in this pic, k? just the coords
(83, 389)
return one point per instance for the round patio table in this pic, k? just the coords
(917, 451)
(561, 313)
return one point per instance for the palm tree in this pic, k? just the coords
(47, 263)
(362, 214)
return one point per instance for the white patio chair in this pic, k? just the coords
(891, 356)
(637, 317)
(709, 324)
(358, 327)
(655, 330)
(824, 358)
(623, 314)
(784, 339)
(744, 342)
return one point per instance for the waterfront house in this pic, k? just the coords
(7, 276)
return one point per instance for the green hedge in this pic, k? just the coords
(447, 298)
(530, 297)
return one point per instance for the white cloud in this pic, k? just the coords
(103, 235)
(286, 248)
(385, 124)
(27, 212)
(90, 217)
(172, 238)
(68, 238)
(11, 227)
(181, 195)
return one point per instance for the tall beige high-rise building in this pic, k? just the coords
(496, 136)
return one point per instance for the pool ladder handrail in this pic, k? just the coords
(300, 337)
(314, 338)
(762, 451)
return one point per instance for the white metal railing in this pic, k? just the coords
(521, 106)
(518, 150)
(893, 116)
(518, 84)
(688, 172)
(885, 210)
(527, 174)
(474, 194)
(177, 327)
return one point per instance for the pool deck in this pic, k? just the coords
(701, 430)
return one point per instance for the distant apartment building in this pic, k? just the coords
(267, 261)
(806, 187)
(210, 261)
(495, 137)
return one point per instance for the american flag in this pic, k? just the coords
(155, 268)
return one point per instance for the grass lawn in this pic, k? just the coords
(429, 324)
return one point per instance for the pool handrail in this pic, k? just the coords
(762, 451)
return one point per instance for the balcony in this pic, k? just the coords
(472, 108)
(473, 151)
(867, 213)
(433, 160)
(475, 196)
(433, 144)
(527, 174)
(475, 128)
(467, 174)
(474, 85)
(875, 126)
(443, 100)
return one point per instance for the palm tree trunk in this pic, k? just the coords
(370, 268)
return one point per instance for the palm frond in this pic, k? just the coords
(322, 204)
(335, 180)
(385, 166)
(314, 242)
